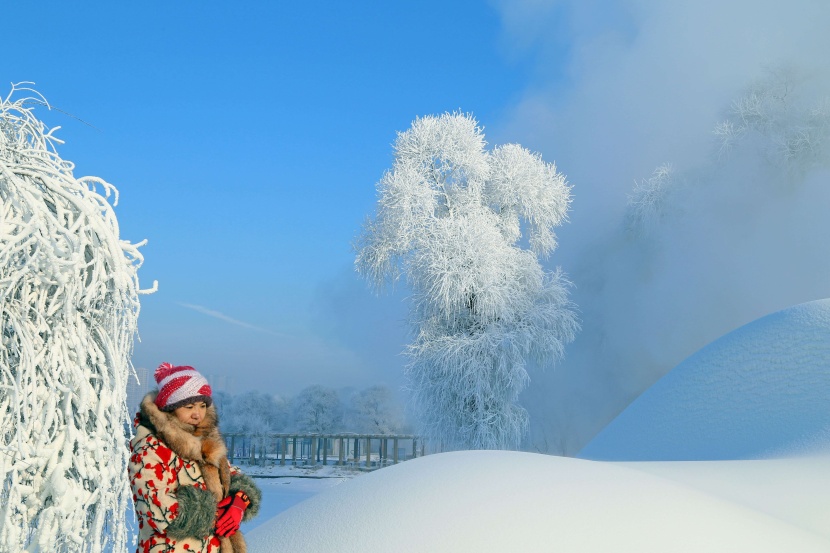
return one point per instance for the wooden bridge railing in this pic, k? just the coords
(366, 451)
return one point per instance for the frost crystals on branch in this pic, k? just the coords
(449, 219)
(646, 203)
(69, 310)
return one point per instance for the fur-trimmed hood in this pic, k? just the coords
(202, 443)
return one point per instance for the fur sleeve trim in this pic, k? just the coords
(240, 481)
(197, 514)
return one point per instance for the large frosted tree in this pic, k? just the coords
(68, 306)
(465, 226)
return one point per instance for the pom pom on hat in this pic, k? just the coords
(180, 386)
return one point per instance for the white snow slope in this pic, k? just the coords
(500, 501)
(762, 390)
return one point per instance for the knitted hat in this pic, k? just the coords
(179, 386)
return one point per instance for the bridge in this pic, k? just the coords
(364, 451)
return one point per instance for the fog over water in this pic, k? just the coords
(735, 233)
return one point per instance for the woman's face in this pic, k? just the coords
(192, 413)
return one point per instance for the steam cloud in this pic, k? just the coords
(736, 232)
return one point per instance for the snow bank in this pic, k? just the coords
(501, 501)
(762, 390)
(759, 390)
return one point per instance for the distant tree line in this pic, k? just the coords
(316, 409)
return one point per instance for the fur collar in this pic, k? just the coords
(201, 443)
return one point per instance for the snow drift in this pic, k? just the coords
(500, 501)
(761, 390)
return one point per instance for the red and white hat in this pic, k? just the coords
(180, 386)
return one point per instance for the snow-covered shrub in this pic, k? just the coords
(450, 216)
(69, 305)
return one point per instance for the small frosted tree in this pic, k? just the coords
(375, 411)
(450, 218)
(223, 401)
(255, 413)
(317, 409)
(647, 201)
(69, 307)
(780, 118)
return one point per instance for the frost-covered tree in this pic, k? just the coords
(374, 411)
(776, 113)
(69, 306)
(647, 200)
(224, 405)
(450, 219)
(255, 413)
(317, 409)
(778, 122)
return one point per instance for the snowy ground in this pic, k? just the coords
(500, 501)
(758, 392)
(761, 390)
(284, 487)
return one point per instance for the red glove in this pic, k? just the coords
(229, 513)
(220, 507)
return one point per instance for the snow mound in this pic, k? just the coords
(762, 390)
(501, 501)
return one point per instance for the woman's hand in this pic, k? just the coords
(229, 513)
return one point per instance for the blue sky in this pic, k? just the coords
(246, 140)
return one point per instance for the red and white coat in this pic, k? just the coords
(168, 456)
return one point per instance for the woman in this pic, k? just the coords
(187, 496)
